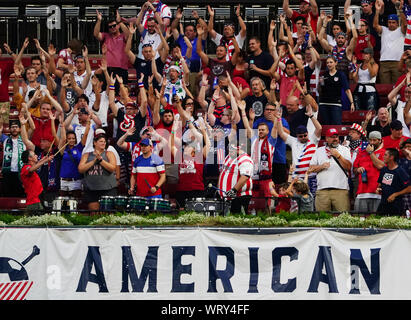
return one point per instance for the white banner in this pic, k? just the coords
(41, 263)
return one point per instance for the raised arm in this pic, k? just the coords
(175, 24)
(97, 34)
(127, 49)
(286, 8)
(20, 55)
(375, 22)
(123, 27)
(29, 145)
(211, 30)
(199, 49)
(241, 105)
(243, 27)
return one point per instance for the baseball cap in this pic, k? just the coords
(301, 129)
(396, 125)
(99, 131)
(330, 132)
(146, 142)
(306, 1)
(393, 17)
(365, 1)
(375, 135)
(368, 50)
(356, 126)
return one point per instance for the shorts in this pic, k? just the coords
(95, 195)
(70, 185)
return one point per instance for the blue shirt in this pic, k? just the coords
(280, 146)
(195, 60)
(69, 165)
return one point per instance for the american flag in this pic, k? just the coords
(15, 290)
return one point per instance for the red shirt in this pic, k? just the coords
(305, 15)
(363, 159)
(284, 203)
(190, 176)
(402, 90)
(286, 85)
(42, 131)
(6, 69)
(32, 184)
(391, 143)
(362, 43)
(244, 84)
(116, 58)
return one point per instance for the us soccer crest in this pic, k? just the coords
(14, 279)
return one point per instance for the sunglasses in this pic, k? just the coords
(189, 103)
(269, 109)
(112, 25)
(302, 135)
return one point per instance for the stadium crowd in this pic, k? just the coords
(250, 120)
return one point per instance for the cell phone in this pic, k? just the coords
(251, 61)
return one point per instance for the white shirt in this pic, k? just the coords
(392, 44)
(153, 39)
(103, 111)
(88, 91)
(400, 116)
(29, 89)
(116, 155)
(238, 37)
(333, 177)
(79, 131)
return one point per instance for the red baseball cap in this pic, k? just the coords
(330, 132)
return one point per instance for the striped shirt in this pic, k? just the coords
(407, 40)
(148, 172)
(162, 8)
(302, 154)
(231, 172)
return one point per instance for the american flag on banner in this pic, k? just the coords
(15, 290)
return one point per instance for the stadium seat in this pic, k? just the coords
(342, 129)
(12, 203)
(357, 116)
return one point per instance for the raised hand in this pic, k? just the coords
(200, 30)
(195, 15)
(51, 50)
(84, 51)
(241, 105)
(7, 48)
(179, 14)
(112, 79)
(99, 15)
(210, 11)
(119, 79)
(130, 131)
(26, 43)
(272, 25)
(237, 10)
(52, 117)
(132, 28)
(103, 65)
(17, 71)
